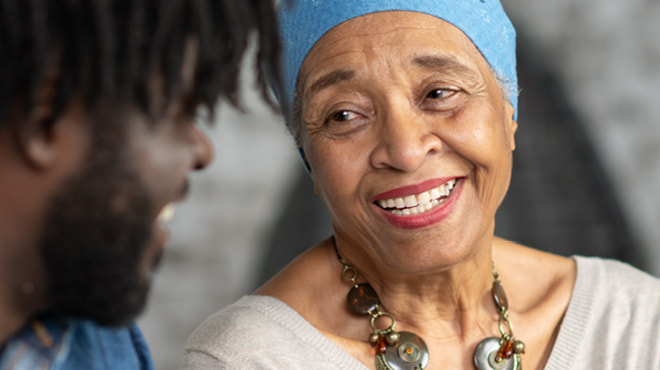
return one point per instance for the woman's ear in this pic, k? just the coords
(511, 125)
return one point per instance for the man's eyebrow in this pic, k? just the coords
(329, 79)
(443, 63)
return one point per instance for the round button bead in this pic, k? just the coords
(410, 354)
(362, 299)
(486, 356)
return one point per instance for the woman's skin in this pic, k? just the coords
(395, 104)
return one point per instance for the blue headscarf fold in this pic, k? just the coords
(304, 22)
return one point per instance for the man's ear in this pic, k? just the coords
(36, 132)
(35, 136)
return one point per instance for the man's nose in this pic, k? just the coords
(203, 149)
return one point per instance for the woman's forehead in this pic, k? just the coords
(397, 39)
(304, 23)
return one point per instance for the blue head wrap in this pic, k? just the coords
(304, 22)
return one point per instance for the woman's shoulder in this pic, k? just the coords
(261, 332)
(612, 267)
(246, 317)
(616, 295)
(250, 332)
(604, 280)
(304, 282)
(613, 306)
(615, 281)
(535, 272)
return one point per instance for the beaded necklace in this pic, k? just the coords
(402, 350)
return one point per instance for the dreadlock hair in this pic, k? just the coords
(108, 49)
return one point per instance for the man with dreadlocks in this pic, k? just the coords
(97, 139)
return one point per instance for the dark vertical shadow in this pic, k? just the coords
(303, 223)
(560, 199)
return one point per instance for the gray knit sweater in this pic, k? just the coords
(612, 322)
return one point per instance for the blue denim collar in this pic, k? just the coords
(75, 344)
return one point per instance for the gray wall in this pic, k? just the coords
(607, 56)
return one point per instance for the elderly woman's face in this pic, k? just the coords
(408, 137)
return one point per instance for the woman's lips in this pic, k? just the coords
(423, 208)
(417, 203)
(413, 189)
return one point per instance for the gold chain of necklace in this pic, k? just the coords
(405, 350)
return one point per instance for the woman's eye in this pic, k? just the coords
(442, 99)
(342, 116)
(343, 123)
(440, 94)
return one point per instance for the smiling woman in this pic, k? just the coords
(406, 117)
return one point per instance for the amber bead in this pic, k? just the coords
(381, 346)
(362, 299)
(506, 350)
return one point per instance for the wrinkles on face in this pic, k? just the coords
(363, 80)
(397, 101)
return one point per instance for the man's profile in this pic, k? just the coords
(98, 101)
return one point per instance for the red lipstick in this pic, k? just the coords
(428, 218)
(412, 189)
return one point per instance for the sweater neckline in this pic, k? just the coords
(564, 350)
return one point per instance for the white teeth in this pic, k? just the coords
(410, 201)
(166, 214)
(424, 198)
(449, 186)
(420, 203)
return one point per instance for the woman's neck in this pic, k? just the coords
(456, 299)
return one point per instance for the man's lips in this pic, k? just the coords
(185, 188)
(166, 214)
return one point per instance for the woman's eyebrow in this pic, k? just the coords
(444, 64)
(329, 79)
(430, 62)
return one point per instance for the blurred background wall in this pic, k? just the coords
(587, 168)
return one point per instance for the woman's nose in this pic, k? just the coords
(203, 149)
(405, 140)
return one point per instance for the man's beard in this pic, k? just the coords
(94, 237)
